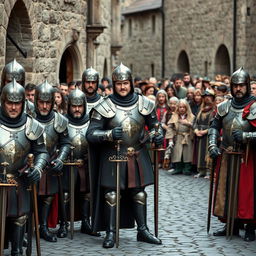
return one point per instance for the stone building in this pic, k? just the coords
(57, 40)
(201, 37)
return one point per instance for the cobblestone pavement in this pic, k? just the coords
(182, 227)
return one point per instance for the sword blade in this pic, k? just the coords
(117, 202)
(156, 184)
(3, 204)
(72, 201)
(210, 197)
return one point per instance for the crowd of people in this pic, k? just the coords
(204, 125)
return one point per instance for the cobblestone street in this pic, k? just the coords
(182, 227)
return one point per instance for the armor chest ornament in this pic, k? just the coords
(233, 121)
(50, 137)
(14, 147)
(131, 121)
(77, 135)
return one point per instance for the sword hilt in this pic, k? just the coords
(4, 164)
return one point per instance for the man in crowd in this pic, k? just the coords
(14, 70)
(253, 88)
(90, 83)
(30, 92)
(64, 89)
(122, 116)
(180, 91)
(236, 117)
(77, 128)
(28, 139)
(55, 137)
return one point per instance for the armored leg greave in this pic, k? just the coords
(110, 215)
(17, 235)
(63, 229)
(44, 232)
(140, 213)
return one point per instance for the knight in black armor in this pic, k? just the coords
(20, 135)
(14, 70)
(237, 119)
(90, 83)
(55, 138)
(122, 116)
(77, 128)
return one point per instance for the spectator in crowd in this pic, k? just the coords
(60, 104)
(226, 80)
(137, 81)
(180, 91)
(101, 89)
(170, 91)
(149, 90)
(30, 90)
(196, 103)
(198, 85)
(190, 94)
(64, 89)
(253, 88)
(206, 83)
(142, 86)
(105, 81)
(180, 136)
(71, 86)
(187, 80)
(221, 90)
(218, 100)
(164, 83)
(201, 126)
(79, 84)
(109, 89)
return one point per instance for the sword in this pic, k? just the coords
(156, 179)
(30, 163)
(117, 159)
(210, 195)
(235, 156)
(4, 184)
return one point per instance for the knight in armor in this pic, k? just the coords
(90, 83)
(236, 117)
(55, 138)
(77, 128)
(14, 70)
(122, 116)
(20, 135)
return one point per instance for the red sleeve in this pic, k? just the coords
(246, 112)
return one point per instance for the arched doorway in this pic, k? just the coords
(19, 41)
(70, 65)
(183, 63)
(222, 61)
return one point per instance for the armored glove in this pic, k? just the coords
(158, 139)
(33, 175)
(117, 133)
(214, 152)
(57, 165)
(238, 136)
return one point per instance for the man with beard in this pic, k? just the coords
(122, 116)
(77, 128)
(14, 70)
(90, 83)
(236, 117)
(55, 137)
(24, 134)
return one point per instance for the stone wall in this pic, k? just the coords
(53, 27)
(197, 28)
(141, 46)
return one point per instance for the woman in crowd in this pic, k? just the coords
(180, 136)
(60, 103)
(197, 101)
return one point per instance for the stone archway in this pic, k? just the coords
(19, 40)
(70, 68)
(222, 61)
(183, 62)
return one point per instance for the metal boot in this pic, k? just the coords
(110, 215)
(140, 210)
(44, 232)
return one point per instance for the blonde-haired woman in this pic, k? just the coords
(180, 135)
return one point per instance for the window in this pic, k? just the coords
(153, 24)
(152, 69)
(130, 27)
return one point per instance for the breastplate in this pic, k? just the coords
(131, 121)
(50, 137)
(14, 147)
(233, 121)
(77, 135)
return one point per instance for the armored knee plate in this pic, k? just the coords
(66, 197)
(20, 221)
(111, 198)
(140, 198)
